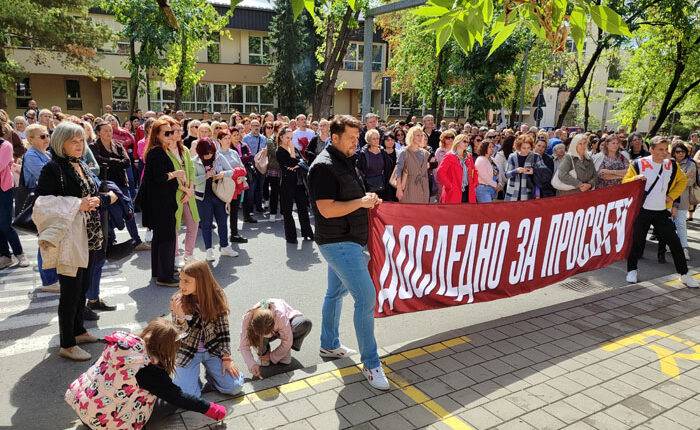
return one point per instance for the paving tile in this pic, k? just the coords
(266, 418)
(626, 415)
(692, 405)
(297, 410)
(550, 369)
(494, 335)
(392, 422)
(660, 398)
(486, 352)
(328, 420)
(683, 417)
(525, 401)
(447, 364)
(564, 411)
(327, 400)
(468, 398)
(675, 390)
(480, 417)
(478, 373)
(603, 395)
(663, 422)
(385, 403)
(406, 376)
(517, 360)
(428, 370)
(619, 387)
(354, 392)
(546, 393)
(357, 413)
(418, 415)
(584, 378)
(603, 421)
(490, 389)
(468, 358)
(170, 422)
(565, 385)
(298, 425)
(542, 420)
(512, 382)
(238, 406)
(457, 380)
(505, 346)
(522, 342)
(534, 355)
(516, 424)
(584, 403)
(643, 406)
(579, 426)
(503, 409)
(434, 388)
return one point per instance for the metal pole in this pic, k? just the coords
(367, 66)
(523, 81)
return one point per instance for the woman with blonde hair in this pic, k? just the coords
(579, 161)
(413, 184)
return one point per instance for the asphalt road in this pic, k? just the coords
(33, 379)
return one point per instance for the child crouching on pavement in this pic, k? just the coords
(120, 389)
(269, 320)
(201, 308)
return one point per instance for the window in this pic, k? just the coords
(23, 94)
(73, 99)
(355, 57)
(258, 50)
(451, 109)
(224, 98)
(120, 95)
(214, 48)
(400, 105)
(123, 48)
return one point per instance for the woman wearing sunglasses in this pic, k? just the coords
(157, 199)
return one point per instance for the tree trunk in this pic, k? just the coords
(602, 44)
(134, 78)
(677, 73)
(3, 93)
(643, 98)
(336, 48)
(180, 79)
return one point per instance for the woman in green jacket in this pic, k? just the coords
(186, 204)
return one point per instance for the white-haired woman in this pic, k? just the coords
(67, 176)
(578, 160)
(374, 165)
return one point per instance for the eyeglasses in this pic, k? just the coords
(168, 133)
(269, 127)
(679, 151)
(44, 136)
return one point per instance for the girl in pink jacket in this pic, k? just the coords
(269, 320)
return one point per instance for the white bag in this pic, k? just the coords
(558, 184)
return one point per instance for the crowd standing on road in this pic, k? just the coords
(80, 178)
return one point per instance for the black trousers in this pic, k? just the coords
(301, 326)
(274, 194)
(233, 217)
(665, 230)
(72, 302)
(290, 194)
(163, 253)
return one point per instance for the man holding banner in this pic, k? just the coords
(341, 208)
(665, 182)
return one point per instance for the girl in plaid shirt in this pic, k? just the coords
(200, 308)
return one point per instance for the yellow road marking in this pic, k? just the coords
(667, 357)
(452, 421)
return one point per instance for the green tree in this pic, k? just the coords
(198, 21)
(664, 70)
(149, 34)
(48, 26)
(293, 64)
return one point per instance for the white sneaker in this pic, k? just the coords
(340, 352)
(179, 262)
(210, 254)
(5, 262)
(376, 378)
(22, 260)
(689, 281)
(228, 252)
(686, 253)
(273, 218)
(53, 288)
(148, 237)
(632, 277)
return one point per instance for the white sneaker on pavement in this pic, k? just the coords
(686, 253)
(273, 218)
(632, 276)
(179, 262)
(689, 281)
(340, 352)
(210, 255)
(228, 252)
(376, 378)
(53, 288)
(148, 237)
(22, 260)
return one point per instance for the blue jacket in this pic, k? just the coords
(120, 211)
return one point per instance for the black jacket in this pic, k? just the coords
(157, 194)
(58, 178)
(113, 164)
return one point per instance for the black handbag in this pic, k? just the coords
(24, 201)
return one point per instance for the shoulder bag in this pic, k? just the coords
(558, 184)
(261, 162)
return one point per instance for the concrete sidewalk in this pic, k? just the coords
(624, 358)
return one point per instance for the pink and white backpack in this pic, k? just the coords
(107, 396)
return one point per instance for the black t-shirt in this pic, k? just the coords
(434, 140)
(188, 141)
(333, 177)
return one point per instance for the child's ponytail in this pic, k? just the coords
(262, 322)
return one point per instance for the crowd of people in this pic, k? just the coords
(80, 178)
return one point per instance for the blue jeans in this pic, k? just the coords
(681, 228)
(8, 235)
(348, 273)
(209, 208)
(485, 193)
(48, 276)
(94, 275)
(187, 378)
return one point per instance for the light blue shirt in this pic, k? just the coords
(255, 143)
(34, 160)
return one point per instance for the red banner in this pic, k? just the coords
(433, 256)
